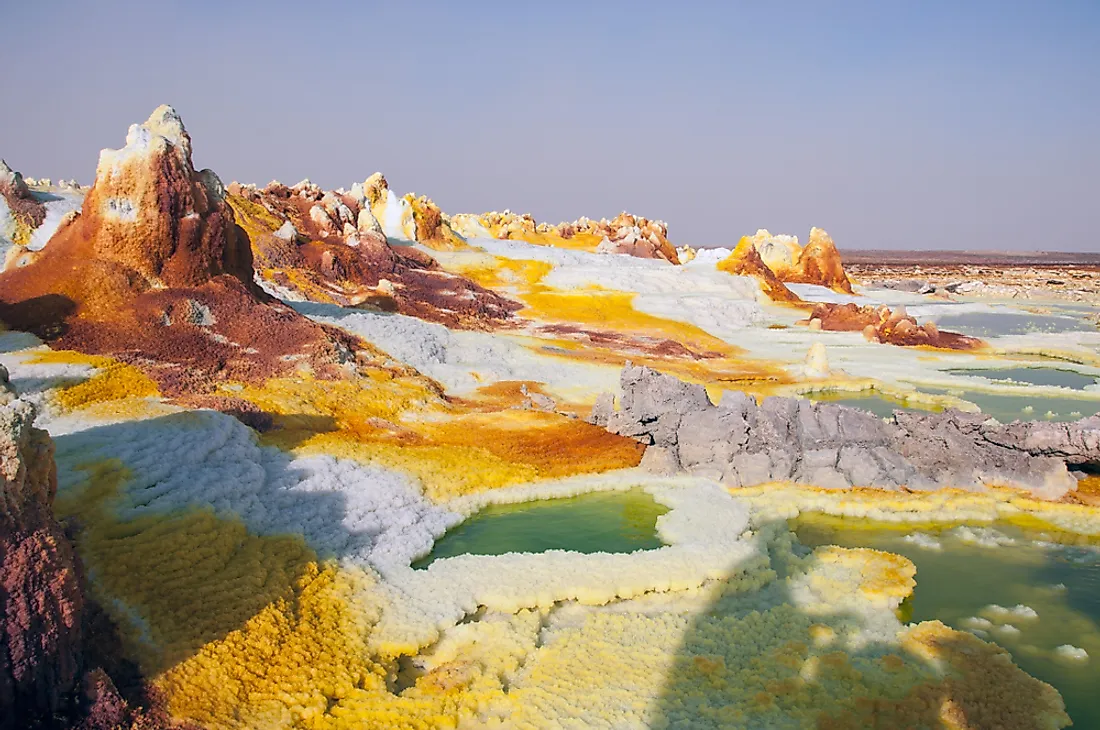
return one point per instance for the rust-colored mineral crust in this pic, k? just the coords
(880, 324)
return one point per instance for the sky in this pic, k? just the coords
(891, 124)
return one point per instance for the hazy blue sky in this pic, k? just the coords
(890, 124)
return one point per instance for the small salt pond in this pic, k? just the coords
(610, 522)
(1030, 376)
(999, 324)
(1008, 408)
(1049, 593)
(876, 403)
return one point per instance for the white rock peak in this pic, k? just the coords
(165, 122)
(164, 128)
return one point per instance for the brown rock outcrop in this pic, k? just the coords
(816, 263)
(819, 263)
(745, 260)
(880, 324)
(40, 598)
(52, 638)
(27, 211)
(328, 247)
(635, 236)
(625, 233)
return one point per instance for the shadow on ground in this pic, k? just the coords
(772, 659)
(187, 550)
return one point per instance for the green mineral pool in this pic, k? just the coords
(1008, 408)
(963, 573)
(609, 522)
(880, 405)
(997, 324)
(1030, 376)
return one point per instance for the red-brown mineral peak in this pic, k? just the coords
(816, 263)
(819, 263)
(150, 221)
(634, 235)
(156, 272)
(880, 324)
(745, 260)
(150, 211)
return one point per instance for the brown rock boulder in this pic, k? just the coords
(880, 324)
(819, 263)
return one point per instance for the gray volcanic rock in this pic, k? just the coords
(793, 439)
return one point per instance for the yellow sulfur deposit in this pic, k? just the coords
(114, 382)
(452, 448)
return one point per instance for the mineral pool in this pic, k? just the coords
(609, 522)
(998, 324)
(1031, 376)
(880, 405)
(1023, 590)
(1008, 408)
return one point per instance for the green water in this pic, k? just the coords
(1030, 376)
(1005, 408)
(1008, 408)
(997, 324)
(609, 522)
(960, 580)
(880, 405)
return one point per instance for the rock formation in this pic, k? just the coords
(685, 254)
(329, 247)
(45, 627)
(624, 234)
(20, 211)
(745, 260)
(40, 599)
(817, 362)
(793, 439)
(817, 263)
(880, 324)
(156, 271)
(31, 211)
(779, 252)
(632, 235)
